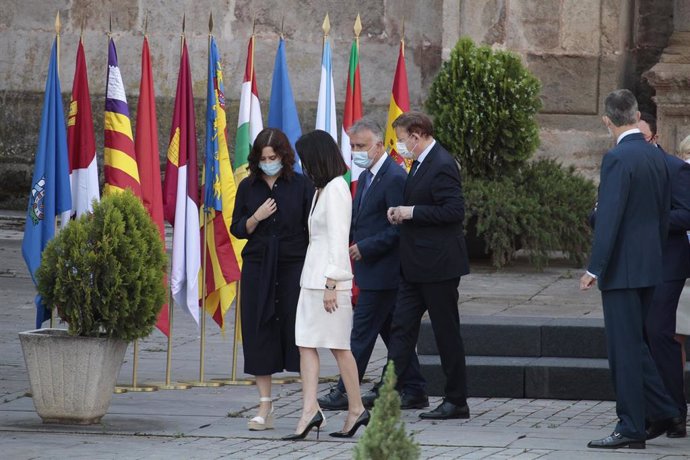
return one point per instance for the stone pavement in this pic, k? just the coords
(210, 423)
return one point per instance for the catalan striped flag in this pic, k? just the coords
(352, 113)
(223, 251)
(83, 170)
(400, 103)
(148, 160)
(120, 169)
(181, 195)
(249, 121)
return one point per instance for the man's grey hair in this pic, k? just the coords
(620, 107)
(367, 124)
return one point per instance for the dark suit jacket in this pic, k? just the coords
(677, 250)
(632, 216)
(432, 243)
(376, 238)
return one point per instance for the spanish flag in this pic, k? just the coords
(121, 169)
(400, 103)
(181, 195)
(222, 250)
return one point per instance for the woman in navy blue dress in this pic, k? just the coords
(271, 212)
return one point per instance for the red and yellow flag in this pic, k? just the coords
(146, 147)
(400, 103)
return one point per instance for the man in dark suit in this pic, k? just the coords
(626, 261)
(433, 257)
(661, 320)
(376, 261)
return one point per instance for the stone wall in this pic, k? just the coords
(580, 49)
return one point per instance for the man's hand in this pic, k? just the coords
(587, 281)
(354, 252)
(399, 214)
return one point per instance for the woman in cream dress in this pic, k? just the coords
(324, 309)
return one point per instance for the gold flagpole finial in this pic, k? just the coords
(326, 26)
(358, 26)
(253, 25)
(282, 24)
(402, 35)
(58, 24)
(210, 23)
(146, 24)
(184, 21)
(81, 29)
(110, 24)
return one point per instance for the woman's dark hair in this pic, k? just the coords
(276, 139)
(321, 157)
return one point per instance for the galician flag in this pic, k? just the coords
(249, 122)
(400, 103)
(325, 111)
(223, 251)
(353, 111)
(282, 111)
(181, 195)
(148, 160)
(83, 170)
(120, 169)
(50, 190)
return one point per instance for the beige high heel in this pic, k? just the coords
(259, 423)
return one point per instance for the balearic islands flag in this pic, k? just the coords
(50, 191)
(325, 111)
(146, 147)
(181, 195)
(249, 122)
(400, 103)
(353, 112)
(83, 170)
(120, 169)
(223, 251)
(282, 111)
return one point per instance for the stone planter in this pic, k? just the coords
(72, 378)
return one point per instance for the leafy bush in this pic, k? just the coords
(385, 437)
(105, 271)
(483, 103)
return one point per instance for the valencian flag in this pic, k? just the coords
(120, 169)
(353, 111)
(400, 103)
(50, 189)
(83, 170)
(282, 111)
(146, 147)
(249, 122)
(181, 195)
(223, 251)
(325, 111)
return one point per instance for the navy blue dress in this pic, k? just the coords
(272, 262)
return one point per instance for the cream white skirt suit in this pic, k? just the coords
(327, 257)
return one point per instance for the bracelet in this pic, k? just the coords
(330, 288)
(254, 217)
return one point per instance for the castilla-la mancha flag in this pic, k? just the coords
(146, 147)
(83, 170)
(181, 195)
(400, 103)
(223, 251)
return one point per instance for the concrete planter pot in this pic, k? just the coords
(72, 378)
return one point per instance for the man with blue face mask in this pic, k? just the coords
(374, 251)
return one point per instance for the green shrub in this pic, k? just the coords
(483, 103)
(385, 437)
(105, 271)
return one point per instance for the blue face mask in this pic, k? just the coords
(271, 168)
(361, 159)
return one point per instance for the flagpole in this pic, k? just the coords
(236, 339)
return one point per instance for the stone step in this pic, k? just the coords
(528, 377)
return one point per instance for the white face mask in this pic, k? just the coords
(362, 159)
(401, 148)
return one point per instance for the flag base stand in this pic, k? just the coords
(241, 382)
(119, 390)
(204, 384)
(137, 389)
(172, 386)
(331, 379)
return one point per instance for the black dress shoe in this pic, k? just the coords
(678, 428)
(616, 441)
(369, 397)
(335, 400)
(445, 411)
(656, 429)
(413, 401)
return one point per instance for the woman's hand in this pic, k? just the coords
(266, 210)
(330, 303)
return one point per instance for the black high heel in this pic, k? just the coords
(315, 422)
(363, 419)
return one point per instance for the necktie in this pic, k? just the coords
(366, 180)
(413, 169)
